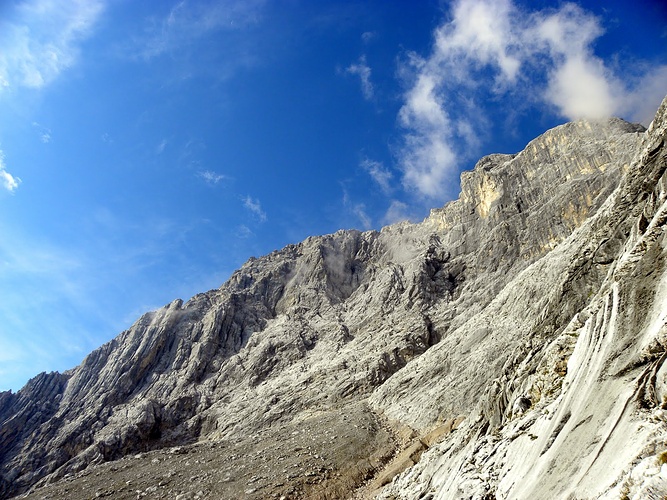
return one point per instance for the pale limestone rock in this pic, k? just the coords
(598, 432)
(533, 305)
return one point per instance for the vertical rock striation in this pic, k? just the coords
(533, 306)
(575, 408)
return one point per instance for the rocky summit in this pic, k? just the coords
(512, 345)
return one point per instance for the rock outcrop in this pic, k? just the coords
(577, 409)
(511, 345)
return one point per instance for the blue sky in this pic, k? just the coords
(148, 149)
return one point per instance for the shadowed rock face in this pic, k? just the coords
(532, 305)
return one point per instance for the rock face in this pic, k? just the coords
(511, 345)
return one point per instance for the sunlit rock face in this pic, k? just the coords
(572, 351)
(509, 345)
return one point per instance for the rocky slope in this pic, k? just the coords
(509, 346)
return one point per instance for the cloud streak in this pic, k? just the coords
(255, 207)
(378, 173)
(42, 38)
(363, 71)
(211, 177)
(44, 132)
(7, 180)
(65, 298)
(397, 212)
(187, 22)
(495, 51)
(358, 210)
(159, 149)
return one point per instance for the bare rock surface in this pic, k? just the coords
(577, 408)
(511, 345)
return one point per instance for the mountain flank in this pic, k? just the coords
(511, 345)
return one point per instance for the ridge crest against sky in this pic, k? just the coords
(147, 149)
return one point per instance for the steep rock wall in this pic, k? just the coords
(578, 412)
(423, 322)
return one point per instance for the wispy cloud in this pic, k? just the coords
(7, 180)
(160, 147)
(481, 32)
(44, 132)
(649, 87)
(67, 298)
(381, 175)
(243, 232)
(41, 38)
(363, 71)
(210, 176)
(358, 210)
(368, 36)
(495, 50)
(187, 22)
(255, 207)
(397, 212)
(37, 278)
(579, 84)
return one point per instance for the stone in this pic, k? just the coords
(533, 305)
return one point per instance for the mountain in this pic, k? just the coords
(511, 345)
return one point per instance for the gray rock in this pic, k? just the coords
(532, 305)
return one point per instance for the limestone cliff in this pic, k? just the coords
(577, 408)
(529, 315)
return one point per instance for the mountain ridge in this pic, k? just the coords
(349, 326)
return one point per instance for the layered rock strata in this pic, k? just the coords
(532, 306)
(577, 409)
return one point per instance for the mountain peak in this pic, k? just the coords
(526, 315)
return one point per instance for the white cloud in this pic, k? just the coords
(363, 71)
(579, 84)
(187, 22)
(42, 39)
(580, 88)
(160, 147)
(481, 33)
(243, 232)
(359, 210)
(378, 173)
(44, 132)
(397, 212)
(493, 51)
(424, 108)
(428, 161)
(426, 158)
(650, 89)
(356, 209)
(7, 180)
(255, 207)
(367, 36)
(211, 177)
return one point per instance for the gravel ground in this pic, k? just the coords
(322, 454)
